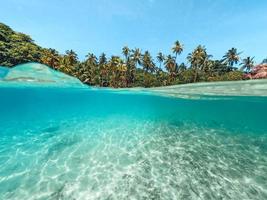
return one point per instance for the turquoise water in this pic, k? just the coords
(3, 71)
(99, 144)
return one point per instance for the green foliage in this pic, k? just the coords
(17, 48)
(233, 76)
(134, 69)
(231, 58)
(247, 64)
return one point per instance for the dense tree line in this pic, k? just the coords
(134, 68)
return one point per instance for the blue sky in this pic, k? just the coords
(107, 25)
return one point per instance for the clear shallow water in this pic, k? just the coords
(98, 144)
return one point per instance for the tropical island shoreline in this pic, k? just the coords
(36, 75)
(135, 69)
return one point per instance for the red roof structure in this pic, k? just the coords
(258, 72)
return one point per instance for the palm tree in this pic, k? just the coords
(147, 62)
(122, 74)
(82, 72)
(118, 71)
(247, 64)
(126, 52)
(130, 64)
(51, 58)
(160, 58)
(102, 59)
(131, 71)
(70, 62)
(169, 63)
(103, 70)
(182, 67)
(64, 65)
(171, 66)
(92, 68)
(72, 56)
(198, 60)
(231, 58)
(137, 56)
(91, 59)
(177, 49)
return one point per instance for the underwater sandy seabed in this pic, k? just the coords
(58, 143)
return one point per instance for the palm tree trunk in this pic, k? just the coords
(195, 76)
